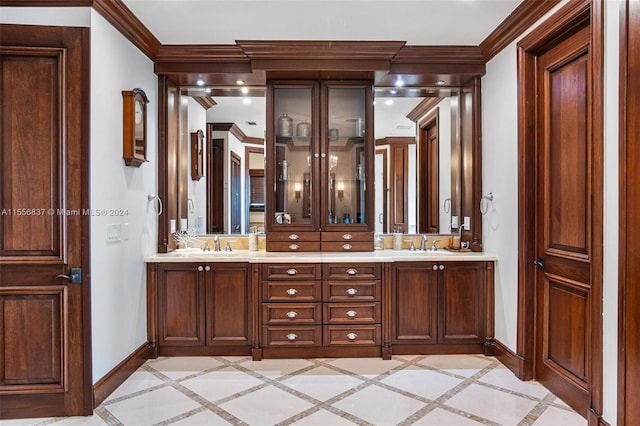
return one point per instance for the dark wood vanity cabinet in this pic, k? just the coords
(448, 304)
(195, 308)
(319, 163)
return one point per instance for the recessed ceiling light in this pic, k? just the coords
(207, 90)
(245, 90)
(200, 82)
(239, 81)
(388, 102)
(440, 82)
(399, 82)
(246, 101)
(393, 91)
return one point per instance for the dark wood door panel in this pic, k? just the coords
(227, 315)
(181, 305)
(33, 331)
(461, 303)
(414, 308)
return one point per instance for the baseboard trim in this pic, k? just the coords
(114, 378)
(509, 358)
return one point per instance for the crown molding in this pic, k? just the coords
(237, 132)
(320, 50)
(121, 17)
(422, 108)
(205, 102)
(396, 140)
(526, 14)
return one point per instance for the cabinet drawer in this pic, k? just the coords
(293, 246)
(291, 313)
(347, 246)
(346, 237)
(341, 313)
(293, 237)
(358, 271)
(358, 335)
(341, 291)
(286, 336)
(291, 291)
(309, 271)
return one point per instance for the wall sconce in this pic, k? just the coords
(297, 187)
(340, 188)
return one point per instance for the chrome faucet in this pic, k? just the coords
(423, 243)
(206, 246)
(434, 247)
(216, 243)
(228, 247)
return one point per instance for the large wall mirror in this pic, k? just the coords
(417, 173)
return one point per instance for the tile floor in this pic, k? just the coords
(407, 390)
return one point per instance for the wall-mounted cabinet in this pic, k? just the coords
(319, 152)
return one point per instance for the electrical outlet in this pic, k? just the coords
(467, 223)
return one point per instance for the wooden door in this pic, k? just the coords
(181, 304)
(399, 187)
(414, 317)
(228, 313)
(236, 200)
(45, 355)
(215, 183)
(563, 222)
(461, 302)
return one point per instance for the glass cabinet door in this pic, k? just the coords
(346, 156)
(294, 130)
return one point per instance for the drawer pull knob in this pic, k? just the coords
(294, 237)
(441, 267)
(352, 314)
(352, 336)
(292, 314)
(207, 268)
(352, 271)
(293, 247)
(200, 268)
(347, 237)
(292, 292)
(291, 337)
(347, 246)
(352, 291)
(292, 271)
(435, 267)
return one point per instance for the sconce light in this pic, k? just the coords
(340, 187)
(297, 187)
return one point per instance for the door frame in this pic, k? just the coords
(563, 22)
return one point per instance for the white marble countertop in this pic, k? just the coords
(261, 256)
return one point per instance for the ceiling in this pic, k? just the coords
(416, 22)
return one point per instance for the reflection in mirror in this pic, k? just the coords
(416, 173)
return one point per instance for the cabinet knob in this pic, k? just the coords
(291, 337)
(352, 291)
(292, 292)
(207, 268)
(316, 155)
(293, 247)
(347, 246)
(292, 271)
(441, 267)
(323, 155)
(435, 267)
(352, 271)
(292, 314)
(347, 237)
(352, 314)
(352, 336)
(200, 269)
(294, 237)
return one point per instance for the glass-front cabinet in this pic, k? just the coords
(319, 151)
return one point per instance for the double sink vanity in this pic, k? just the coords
(319, 304)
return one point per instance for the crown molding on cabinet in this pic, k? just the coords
(205, 102)
(422, 108)
(396, 140)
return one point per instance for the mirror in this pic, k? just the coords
(422, 199)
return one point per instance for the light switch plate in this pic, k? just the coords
(467, 223)
(114, 233)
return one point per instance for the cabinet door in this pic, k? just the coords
(414, 304)
(227, 311)
(292, 157)
(347, 156)
(180, 305)
(461, 303)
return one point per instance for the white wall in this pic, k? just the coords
(64, 17)
(500, 176)
(118, 292)
(197, 188)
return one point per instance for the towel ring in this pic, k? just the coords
(484, 205)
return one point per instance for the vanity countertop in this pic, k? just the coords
(261, 256)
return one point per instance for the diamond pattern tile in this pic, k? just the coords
(443, 390)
